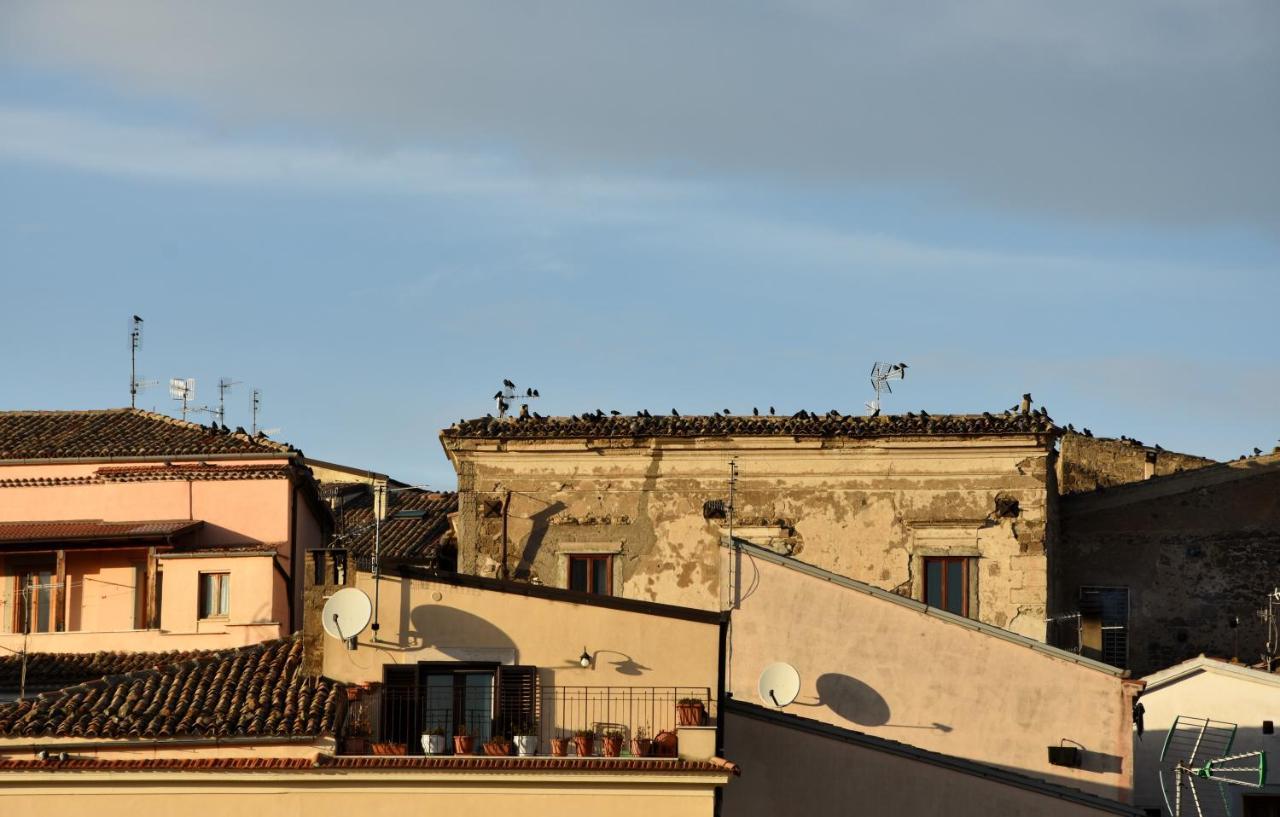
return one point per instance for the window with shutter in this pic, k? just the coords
(399, 713)
(517, 700)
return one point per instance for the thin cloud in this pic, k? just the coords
(1153, 112)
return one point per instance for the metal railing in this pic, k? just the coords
(392, 720)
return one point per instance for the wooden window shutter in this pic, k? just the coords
(517, 710)
(399, 716)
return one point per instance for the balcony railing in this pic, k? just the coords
(391, 720)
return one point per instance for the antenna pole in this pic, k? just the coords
(379, 494)
(257, 402)
(135, 342)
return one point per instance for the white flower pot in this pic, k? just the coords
(526, 745)
(433, 744)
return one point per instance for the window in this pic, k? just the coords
(139, 597)
(591, 574)
(35, 596)
(946, 583)
(215, 595)
(1104, 624)
(486, 699)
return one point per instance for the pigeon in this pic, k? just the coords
(497, 395)
(614, 412)
(727, 412)
(772, 411)
(1088, 433)
(508, 384)
(528, 392)
(755, 412)
(1257, 451)
(923, 414)
(876, 413)
(535, 393)
(675, 413)
(647, 414)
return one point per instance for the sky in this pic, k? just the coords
(373, 213)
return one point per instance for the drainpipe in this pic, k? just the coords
(506, 507)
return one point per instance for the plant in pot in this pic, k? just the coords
(559, 747)
(641, 743)
(584, 741)
(612, 743)
(433, 740)
(690, 712)
(497, 746)
(463, 743)
(526, 738)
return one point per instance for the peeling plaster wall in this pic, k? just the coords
(1089, 463)
(1193, 550)
(868, 509)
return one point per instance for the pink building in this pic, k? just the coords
(131, 531)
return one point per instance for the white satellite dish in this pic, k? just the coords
(779, 685)
(346, 614)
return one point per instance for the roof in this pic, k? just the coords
(417, 536)
(958, 764)
(119, 433)
(95, 529)
(1265, 465)
(51, 670)
(375, 763)
(1217, 666)
(253, 692)
(802, 424)
(919, 606)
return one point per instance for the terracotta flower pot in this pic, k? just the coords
(641, 747)
(390, 749)
(612, 747)
(498, 748)
(463, 744)
(666, 744)
(559, 747)
(690, 714)
(585, 747)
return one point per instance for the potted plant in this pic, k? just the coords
(559, 747)
(463, 743)
(584, 741)
(641, 743)
(526, 738)
(433, 741)
(612, 743)
(690, 712)
(497, 746)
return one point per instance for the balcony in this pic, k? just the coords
(568, 721)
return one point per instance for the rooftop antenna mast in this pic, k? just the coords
(136, 384)
(224, 386)
(510, 392)
(184, 390)
(1270, 615)
(881, 374)
(257, 404)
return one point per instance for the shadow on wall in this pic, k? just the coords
(856, 702)
(540, 521)
(445, 628)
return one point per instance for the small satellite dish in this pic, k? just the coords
(346, 614)
(779, 685)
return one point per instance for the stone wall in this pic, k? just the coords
(1088, 463)
(867, 509)
(1194, 549)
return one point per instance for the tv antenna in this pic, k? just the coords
(1196, 767)
(184, 390)
(881, 374)
(257, 404)
(346, 614)
(224, 386)
(136, 384)
(509, 392)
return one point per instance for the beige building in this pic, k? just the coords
(952, 509)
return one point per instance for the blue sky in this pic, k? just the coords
(375, 217)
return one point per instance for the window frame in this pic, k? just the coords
(26, 609)
(224, 593)
(590, 559)
(966, 575)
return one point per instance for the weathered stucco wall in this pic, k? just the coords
(1089, 463)
(887, 668)
(788, 771)
(1193, 549)
(868, 509)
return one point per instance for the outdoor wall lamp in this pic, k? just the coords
(585, 658)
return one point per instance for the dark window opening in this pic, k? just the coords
(946, 583)
(1104, 624)
(481, 700)
(591, 574)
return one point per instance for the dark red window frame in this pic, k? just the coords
(946, 566)
(591, 577)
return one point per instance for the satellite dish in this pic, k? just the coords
(779, 685)
(1196, 767)
(346, 614)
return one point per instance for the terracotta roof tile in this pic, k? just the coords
(118, 433)
(372, 763)
(192, 471)
(257, 691)
(73, 529)
(416, 538)
(60, 669)
(800, 425)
